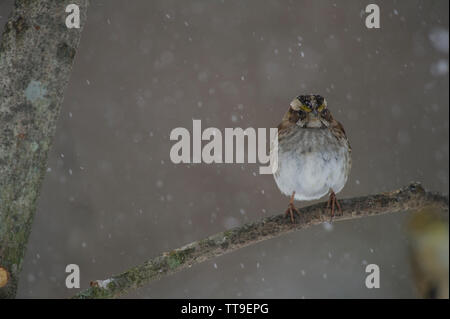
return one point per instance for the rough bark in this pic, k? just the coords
(36, 56)
(412, 197)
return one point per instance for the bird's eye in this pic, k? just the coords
(301, 114)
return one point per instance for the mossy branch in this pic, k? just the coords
(36, 56)
(412, 197)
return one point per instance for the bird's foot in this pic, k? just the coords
(292, 210)
(332, 202)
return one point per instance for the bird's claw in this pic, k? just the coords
(291, 210)
(332, 202)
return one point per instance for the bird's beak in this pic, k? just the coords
(313, 115)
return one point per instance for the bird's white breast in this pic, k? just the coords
(312, 161)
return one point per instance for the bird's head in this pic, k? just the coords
(310, 111)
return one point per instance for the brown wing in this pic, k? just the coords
(289, 119)
(338, 130)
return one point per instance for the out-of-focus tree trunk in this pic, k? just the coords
(36, 57)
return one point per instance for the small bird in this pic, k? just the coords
(314, 154)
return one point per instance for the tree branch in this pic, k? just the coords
(36, 57)
(412, 197)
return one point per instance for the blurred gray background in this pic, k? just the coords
(113, 199)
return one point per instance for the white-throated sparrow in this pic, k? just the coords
(314, 155)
